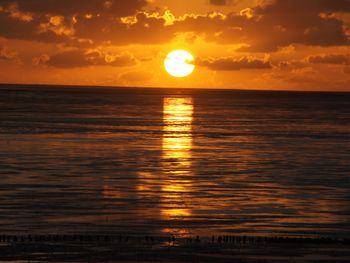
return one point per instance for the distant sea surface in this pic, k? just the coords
(174, 161)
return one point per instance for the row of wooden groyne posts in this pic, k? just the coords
(170, 240)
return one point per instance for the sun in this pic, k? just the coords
(179, 63)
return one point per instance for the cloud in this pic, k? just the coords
(85, 58)
(292, 65)
(220, 2)
(231, 64)
(337, 59)
(41, 60)
(285, 22)
(13, 12)
(8, 55)
(69, 7)
(142, 28)
(135, 77)
(15, 28)
(297, 7)
(54, 20)
(264, 28)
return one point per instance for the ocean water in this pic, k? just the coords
(174, 161)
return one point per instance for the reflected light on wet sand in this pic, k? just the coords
(176, 145)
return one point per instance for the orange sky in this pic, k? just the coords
(246, 44)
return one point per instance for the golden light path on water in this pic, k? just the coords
(176, 148)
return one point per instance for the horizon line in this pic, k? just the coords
(183, 88)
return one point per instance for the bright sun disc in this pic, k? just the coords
(178, 63)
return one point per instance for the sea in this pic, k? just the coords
(182, 162)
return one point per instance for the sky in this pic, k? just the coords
(245, 44)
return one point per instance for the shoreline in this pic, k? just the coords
(132, 238)
(104, 248)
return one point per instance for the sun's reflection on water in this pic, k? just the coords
(177, 157)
